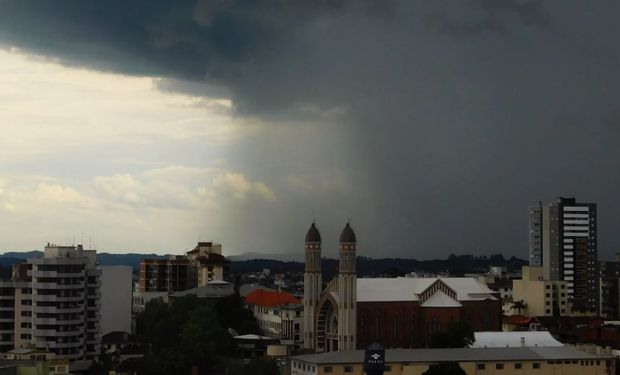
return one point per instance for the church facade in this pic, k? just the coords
(347, 313)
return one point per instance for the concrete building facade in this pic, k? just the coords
(569, 251)
(564, 360)
(541, 297)
(116, 299)
(167, 275)
(56, 305)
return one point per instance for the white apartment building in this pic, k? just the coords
(279, 315)
(55, 305)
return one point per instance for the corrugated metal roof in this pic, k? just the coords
(457, 355)
(513, 339)
(408, 288)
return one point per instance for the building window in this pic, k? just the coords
(327, 369)
(536, 365)
(518, 365)
(480, 366)
(499, 366)
(388, 368)
(348, 368)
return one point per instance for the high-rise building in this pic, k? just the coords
(53, 303)
(536, 235)
(610, 289)
(569, 251)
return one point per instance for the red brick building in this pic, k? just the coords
(404, 312)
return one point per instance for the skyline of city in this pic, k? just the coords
(150, 128)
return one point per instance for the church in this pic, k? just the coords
(351, 313)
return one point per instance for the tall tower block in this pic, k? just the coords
(312, 285)
(347, 290)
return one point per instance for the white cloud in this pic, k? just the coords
(240, 187)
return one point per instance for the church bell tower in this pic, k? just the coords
(312, 285)
(347, 290)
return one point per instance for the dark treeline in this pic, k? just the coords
(455, 265)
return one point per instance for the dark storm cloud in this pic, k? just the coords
(452, 117)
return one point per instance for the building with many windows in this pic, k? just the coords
(567, 230)
(167, 275)
(279, 315)
(563, 360)
(610, 289)
(540, 297)
(209, 262)
(53, 303)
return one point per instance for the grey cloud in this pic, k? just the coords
(448, 129)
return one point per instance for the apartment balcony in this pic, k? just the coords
(56, 286)
(35, 274)
(45, 298)
(7, 320)
(57, 310)
(7, 308)
(79, 297)
(63, 345)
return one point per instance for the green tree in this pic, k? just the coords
(231, 313)
(519, 305)
(458, 335)
(445, 368)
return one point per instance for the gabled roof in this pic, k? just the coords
(440, 299)
(409, 289)
(268, 298)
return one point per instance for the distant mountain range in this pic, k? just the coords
(284, 257)
(104, 259)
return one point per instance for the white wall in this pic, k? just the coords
(116, 299)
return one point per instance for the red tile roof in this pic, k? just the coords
(268, 298)
(515, 319)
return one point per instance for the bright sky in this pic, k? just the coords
(89, 156)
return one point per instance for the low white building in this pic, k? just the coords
(279, 315)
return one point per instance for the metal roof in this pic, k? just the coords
(408, 288)
(457, 355)
(514, 339)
